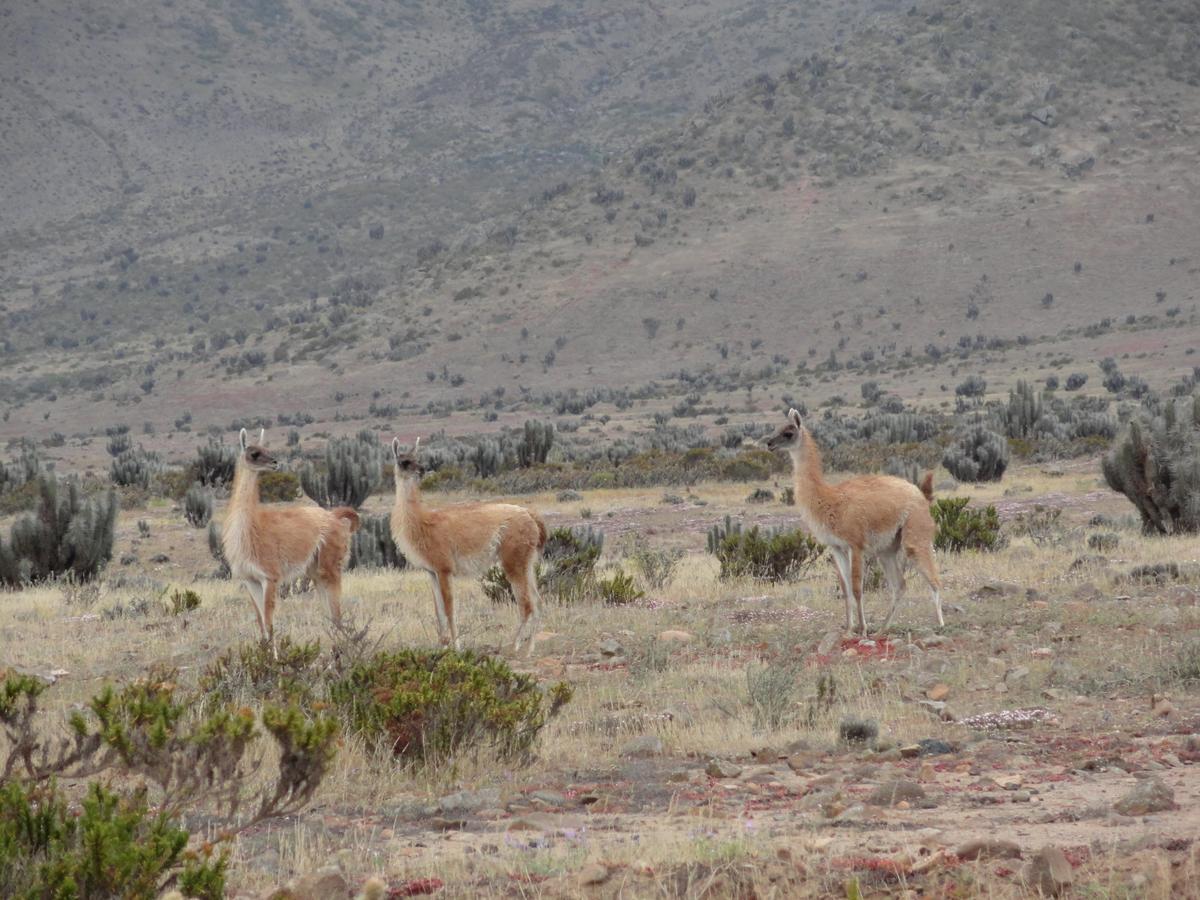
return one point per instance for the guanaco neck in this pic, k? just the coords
(408, 501)
(243, 497)
(808, 471)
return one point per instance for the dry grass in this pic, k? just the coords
(1106, 651)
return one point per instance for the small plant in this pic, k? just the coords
(569, 559)
(649, 658)
(960, 528)
(198, 505)
(184, 601)
(428, 706)
(760, 495)
(772, 555)
(655, 565)
(143, 528)
(289, 670)
(1104, 541)
(854, 730)
(772, 690)
(619, 590)
(1042, 525)
(980, 455)
(788, 496)
(111, 846)
(822, 702)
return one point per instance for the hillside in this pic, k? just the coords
(945, 187)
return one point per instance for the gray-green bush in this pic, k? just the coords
(67, 535)
(979, 455)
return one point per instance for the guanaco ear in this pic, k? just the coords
(395, 448)
(795, 418)
(262, 437)
(242, 438)
(416, 447)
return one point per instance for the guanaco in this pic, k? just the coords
(466, 540)
(271, 544)
(880, 514)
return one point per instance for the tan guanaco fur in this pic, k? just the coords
(888, 517)
(267, 545)
(466, 540)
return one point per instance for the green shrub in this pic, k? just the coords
(619, 590)
(135, 468)
(570, 558)
(68, 535)
(184, 601)
(278, 487)
(960, 528)
(198, 505)
(112, 846)
(1104, 541)
(980, 455)
(256, 669)
(351, 472)
(1183, 664)
(760, 495)
(771, 555)
(536, 441)
(1156, 465)
(428, 706)
(772, 689)
(373, 547)
(214, 464)
(655, 565)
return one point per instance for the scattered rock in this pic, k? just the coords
(998, 589)
(900, 790)
(675, 637)
(1049, 872)
(644, 746)
(1164, 708)
(1045, 115)
(160, 558)
(1087, 593)
(721, 768)
(610, 647)
(1182, 595)
(324, 884)
(765, 754)
(910, 751)
(593, 874)
(934, 747)
(1015, 675)
(549, 798)
(829, 642)
(535, 821)
(468, 801)
(1150, 795)
(988, 848)
(939, 691)
(1041, 653)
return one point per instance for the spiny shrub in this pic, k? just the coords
(980, 455)
(960, 528)
(111, 846)
(278, 487)
(214, 464)
(655, 565)
(1076, 380)
(373, 547)
(1156, 464)
(1104, 541)
(570, 558)
(536, 442)
(1023, 410)
(135, 468)
(771, 555)
(428, 706)
(184, 601)
(619, 590)
(1042, 525)
(352, 470)
(67, 535)
(198, 505)
(907, 469)
(760, 495)
(21, 471)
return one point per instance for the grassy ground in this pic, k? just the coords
(1025, 630)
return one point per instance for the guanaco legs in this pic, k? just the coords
(272, 544)
(466, 540)
(877, 514)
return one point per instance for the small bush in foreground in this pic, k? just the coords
(427, 706)
(113, 846)
(655, 565)
(960, 528)
(772, 555)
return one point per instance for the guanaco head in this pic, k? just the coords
(408, 466)
(255, 456)
(788, 436)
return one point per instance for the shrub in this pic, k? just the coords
(536, 442)
(112, 846)
(960, 528)
(760, 495)
(980, 455)
(198, 505)
(772, 691)
(373, 547)
(278, 487)
(288, 670)
(655, 565)
(1104, 541)
(352, 470)
(1156, 465)
(68, 535)
(1023, 410)
(1042, 525)
(771, 555)
(135, 468)
(184, 601)
(214, 464)
(619, 590)
(570, 558)
(904, 468)
(428, 706)
(1076, 380)
(217, 551)
(974, 386)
